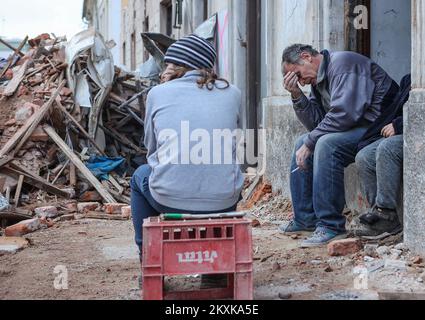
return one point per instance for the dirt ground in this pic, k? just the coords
(102, 264)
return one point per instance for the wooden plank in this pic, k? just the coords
(83, 131)
(7, 194)
(25, 132)
(116, 135)
(3, 72)
(2, 183)
(18, 190)
(34, 181)
(14, 215)
(60, 172)
(12, 48)
(72, 175)
(79, 164)
(103, 216)
(116, 184)
(5, 160)
(13, 84)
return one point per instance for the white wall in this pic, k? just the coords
(115, 29)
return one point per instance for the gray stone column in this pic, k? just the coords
(414, 138)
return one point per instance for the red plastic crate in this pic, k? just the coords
(201, 247)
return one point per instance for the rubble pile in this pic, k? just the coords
(71, 132)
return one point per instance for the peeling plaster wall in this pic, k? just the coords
(391, 36)
(288, 22)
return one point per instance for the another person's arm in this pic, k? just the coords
(398, 125)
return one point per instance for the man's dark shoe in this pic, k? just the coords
(380, 221)
(365, 231)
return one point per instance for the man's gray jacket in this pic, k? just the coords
(352, 91)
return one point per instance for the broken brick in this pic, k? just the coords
(71, 206)
(10, 123)
(126, 212)
(66, 92)
(344, 247)
(39, 135)
(85, 207)
(12, 244)
(91, 196)
(256, 223)
(22, 91)
(27, 226)
(417, 260)
(114, 208)
(46, 212)
(67, 217)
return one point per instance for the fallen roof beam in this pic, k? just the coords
(12, 48)
(79, 164)
(3, 72)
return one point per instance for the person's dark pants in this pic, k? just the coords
(144, 206)
(318, 194)
(381, 171)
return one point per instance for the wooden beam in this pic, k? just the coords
(72, 175)
(118, 136)
(3, 72)
(18, 190)
(12, 48)
(13, 84)
(34, 181)
(25, 132)
(83, 131)
(79, 164)
(103, 216)
(5, 160)
(14, 215)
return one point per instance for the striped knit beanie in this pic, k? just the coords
(193, 52)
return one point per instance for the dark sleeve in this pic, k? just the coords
(398, 125)
(351, 95)
(309, 111)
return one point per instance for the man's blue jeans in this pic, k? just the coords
(144, 206)
(318, 193)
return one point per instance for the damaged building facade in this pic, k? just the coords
(252, 37)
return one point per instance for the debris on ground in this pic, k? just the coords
(71, 128)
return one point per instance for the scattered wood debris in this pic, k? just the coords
(65, 112)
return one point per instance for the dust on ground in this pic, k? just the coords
(102, 264)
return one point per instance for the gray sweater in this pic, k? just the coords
(357, 88)
(175, 111)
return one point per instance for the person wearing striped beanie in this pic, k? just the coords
(175, 181)
(192, 53)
